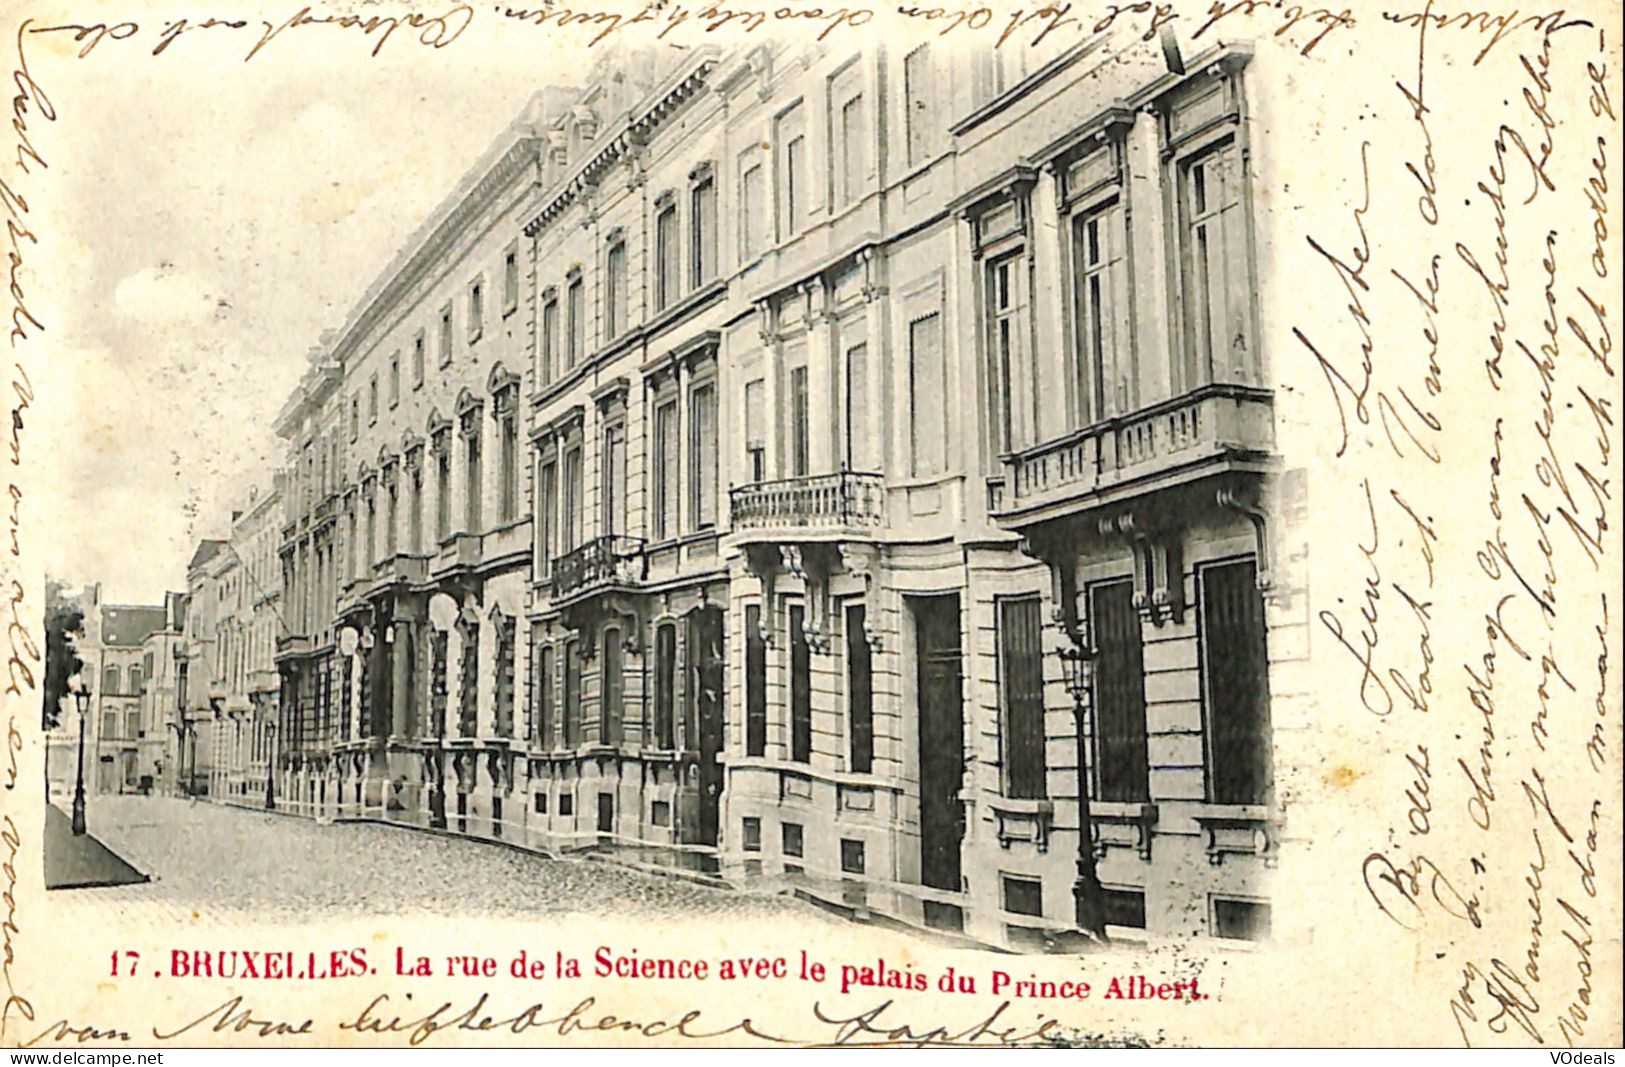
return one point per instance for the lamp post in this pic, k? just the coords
(270, 767)
(81, 696)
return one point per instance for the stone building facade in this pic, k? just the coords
(245, 582)
(851, 470)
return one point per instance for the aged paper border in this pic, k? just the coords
(1430, 943)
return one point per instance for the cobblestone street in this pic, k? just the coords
(206, 856)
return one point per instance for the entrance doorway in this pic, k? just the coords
(942, 738)
(706, 661)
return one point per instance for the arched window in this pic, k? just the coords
(135, 678)
(110, 680)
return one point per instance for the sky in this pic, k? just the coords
(203, 220)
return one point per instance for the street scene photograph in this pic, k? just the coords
(621, 523)
(762, 479)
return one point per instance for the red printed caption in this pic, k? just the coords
(608, 963)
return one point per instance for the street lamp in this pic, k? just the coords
(81, 697)
(270, 768)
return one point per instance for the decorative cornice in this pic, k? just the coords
(611, 146)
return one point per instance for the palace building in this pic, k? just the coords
(851, 472)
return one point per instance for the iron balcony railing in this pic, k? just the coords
(844, 499)
(610, 559)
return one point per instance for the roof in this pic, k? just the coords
(206, 550)
(129, 625)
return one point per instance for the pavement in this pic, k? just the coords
(271, 866)
(80, 861)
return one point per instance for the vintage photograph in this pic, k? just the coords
(841, 472)
(840, 475)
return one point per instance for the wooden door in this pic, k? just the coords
(942, 739)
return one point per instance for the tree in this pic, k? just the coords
(64, 626)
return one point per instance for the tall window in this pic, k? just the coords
(369, 553)
(611, 690)
(702, 226)
(372, 403)
(446, 338)
(665, 683)
(1235, 689)
(574, 500)
(547, 511)
(752, 210)
(927, 399)
(851, 132)
(614, 478)
(800, 688)
(1021, 686)
(576, 314)
(1007, 325)
(666, 254)
(702, 451)
(419, 343)
(755, 683)
(355, 418)
(572, 694)
(508, 430)
(549, 354)
(859, 423)
(510, 279)
(414, 500)
(794, 190)
(1097, 263)
(544, 696)
(506, 632)
(1215, 290)
(394, 378)
(666, 464)
(800, 422)
(615, 289)
(473, 482)
(860, 706)
(476, 309)
(756, 430)
(392, 492)
(1118, 698)
(442, 485)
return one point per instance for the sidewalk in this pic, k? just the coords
(80, 862)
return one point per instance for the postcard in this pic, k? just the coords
(779, 525)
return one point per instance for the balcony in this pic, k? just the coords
(846, 505)
(1206, 431)
(289, 645)
(458, 553)
(612, 561)
(401, 567)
